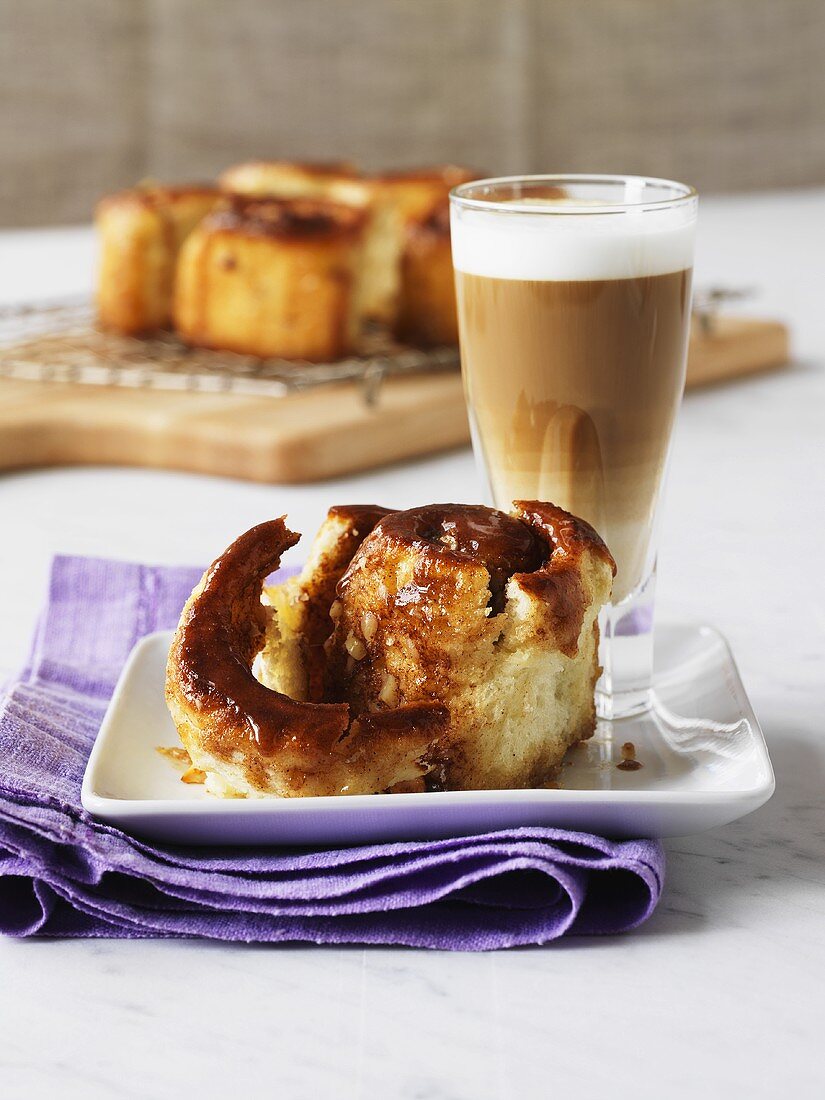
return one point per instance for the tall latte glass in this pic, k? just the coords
(574, 314)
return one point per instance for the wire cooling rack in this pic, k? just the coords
(60, 341)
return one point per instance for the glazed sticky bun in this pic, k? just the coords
(448, 647)
(273, 277)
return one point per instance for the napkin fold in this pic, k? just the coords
(64, 874)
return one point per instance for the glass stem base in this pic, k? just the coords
(626, 653)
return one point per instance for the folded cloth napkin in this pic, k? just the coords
(63, 874)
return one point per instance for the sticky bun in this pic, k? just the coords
(447, 647)
(141, 232)
(273, 277)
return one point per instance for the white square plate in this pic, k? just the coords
(704, 763)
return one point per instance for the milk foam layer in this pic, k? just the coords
(572, 246)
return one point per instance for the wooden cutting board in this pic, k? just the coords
(307, 436)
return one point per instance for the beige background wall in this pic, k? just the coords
(95, 94)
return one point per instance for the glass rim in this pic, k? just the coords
(461, 196)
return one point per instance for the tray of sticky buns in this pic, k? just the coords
(279, 276)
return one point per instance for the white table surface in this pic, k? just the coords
(722, 993)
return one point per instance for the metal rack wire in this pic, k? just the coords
(60, 341)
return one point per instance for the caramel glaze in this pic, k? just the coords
(220, 637)
(629, 763)
(450, 533)
(557, 582)
(298, 219)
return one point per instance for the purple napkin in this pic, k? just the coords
(62, 874)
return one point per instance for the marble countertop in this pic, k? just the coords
(720, 993)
